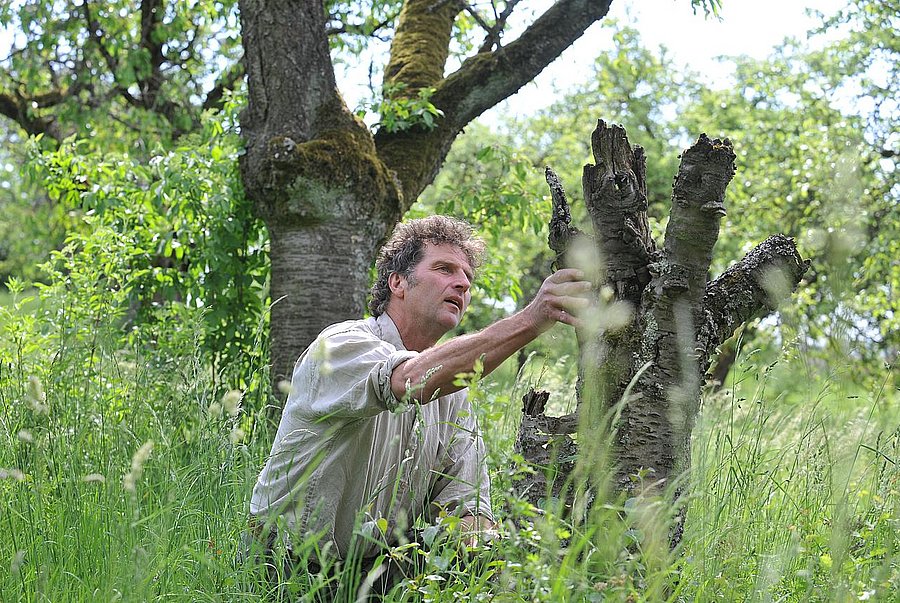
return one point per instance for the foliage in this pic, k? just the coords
(30, 224)
(398, 112)
(141, 69)
(808, 165)
(157, 238)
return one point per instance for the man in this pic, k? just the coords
(375, 433)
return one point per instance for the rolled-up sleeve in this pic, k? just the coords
(352, 375)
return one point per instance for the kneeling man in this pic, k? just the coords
(375, 434)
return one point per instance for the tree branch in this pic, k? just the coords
(492, 38)
(421, 45)
(359, 29)
(615, 192)
(226, 81)
(17, 109)
(562, 233)
(486, 79)
(753, 287)
(698, 196)
(480, 83)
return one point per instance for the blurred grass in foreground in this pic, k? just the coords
(125, 475)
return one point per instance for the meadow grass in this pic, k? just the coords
(126, 475)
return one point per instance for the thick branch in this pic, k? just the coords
(752, 287)
(16, 108)
(480, 83)
(697, 206)
(486, 79)
(561, 229)
(615, 191)
(420, 47)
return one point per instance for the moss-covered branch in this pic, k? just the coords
(487, 78)
(480, 83)
(420, 47)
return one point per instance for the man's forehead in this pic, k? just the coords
(447, 252)
(447, 249)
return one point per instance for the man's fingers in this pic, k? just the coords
(572, 288)
(566, 274)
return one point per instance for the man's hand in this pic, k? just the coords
(561, 297)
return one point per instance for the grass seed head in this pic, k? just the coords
(285, 387)
(34, 389)
(237, 435)
(12, 473)
(137, 466)
(17, 561)
(215, 410)
(231, 402)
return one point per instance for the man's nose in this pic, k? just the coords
(462, 282)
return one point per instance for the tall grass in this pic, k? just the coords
(126, 476)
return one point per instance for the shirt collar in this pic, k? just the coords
(388, 331)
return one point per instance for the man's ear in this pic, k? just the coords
(397, 284)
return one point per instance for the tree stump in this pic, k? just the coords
(656, 324)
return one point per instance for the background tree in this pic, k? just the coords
(328, 190)
(130, 107)
(126, 74)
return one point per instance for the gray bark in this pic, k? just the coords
(313, 173)
(641, 381)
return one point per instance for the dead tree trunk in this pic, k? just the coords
(658, 321)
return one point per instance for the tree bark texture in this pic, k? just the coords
(641, 378)
(328, 190)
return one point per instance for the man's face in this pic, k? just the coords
(438, 291)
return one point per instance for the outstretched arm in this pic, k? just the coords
(435, 369)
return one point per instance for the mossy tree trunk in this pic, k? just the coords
(659, 320)
(328, 190)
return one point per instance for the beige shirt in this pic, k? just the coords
(349, 457)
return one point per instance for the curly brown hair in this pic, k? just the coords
(406, 247)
